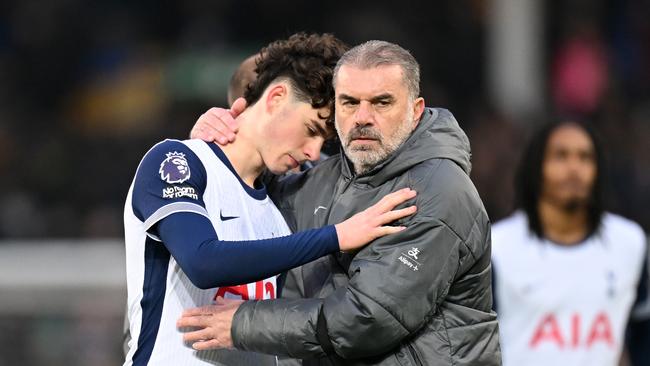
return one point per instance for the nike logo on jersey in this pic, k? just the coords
(226, 218)
(319, 208)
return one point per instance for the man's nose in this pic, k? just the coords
(365, 114)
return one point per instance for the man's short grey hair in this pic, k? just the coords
(378, 53)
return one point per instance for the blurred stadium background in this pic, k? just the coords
(88, 87)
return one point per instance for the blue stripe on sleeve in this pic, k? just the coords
(209, 262)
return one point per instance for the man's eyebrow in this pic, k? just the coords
(386, 97)
(348, 97)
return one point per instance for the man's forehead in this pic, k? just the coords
(375, 80)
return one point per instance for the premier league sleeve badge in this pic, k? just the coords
(174, 169)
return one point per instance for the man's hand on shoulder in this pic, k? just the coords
(218, 124)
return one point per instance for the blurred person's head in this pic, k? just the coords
(377, 88)
(241, 79)
(292, 99)
(563, 166)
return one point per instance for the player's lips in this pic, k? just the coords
(294, 162)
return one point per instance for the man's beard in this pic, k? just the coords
(366, 157)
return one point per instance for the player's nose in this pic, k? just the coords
(312, 150)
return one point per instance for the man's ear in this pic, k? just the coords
(418, 109)
(275, 96)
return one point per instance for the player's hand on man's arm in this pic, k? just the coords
(211, 324)
(368, 225)
(218, 124)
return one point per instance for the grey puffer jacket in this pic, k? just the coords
(419, 297)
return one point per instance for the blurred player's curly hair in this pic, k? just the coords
(307, 61)
(529, 177)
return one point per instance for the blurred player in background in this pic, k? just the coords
(567, 274)
(199, 225)
(242, 78)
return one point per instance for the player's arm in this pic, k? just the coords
(209, 262)
(168, 199)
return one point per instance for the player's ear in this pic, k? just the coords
(275, 96)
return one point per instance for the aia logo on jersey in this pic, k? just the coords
(263, 290)
(597, 330)
(174, 169)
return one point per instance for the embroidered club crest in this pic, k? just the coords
(174, 169)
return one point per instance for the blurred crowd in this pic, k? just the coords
(87, 87)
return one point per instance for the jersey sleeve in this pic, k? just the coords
(170, 179)
(209, 262)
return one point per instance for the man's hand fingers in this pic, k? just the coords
(386, 230)
(203, 310)
(393, 199)
(197, 335)
(209, 344)
(196, 321)
(238, 106)
(198, 133)
(220, 301)
(222, 131)
(219, 122)
(393, 215)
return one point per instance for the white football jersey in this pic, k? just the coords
(565, 305)
(187, 176)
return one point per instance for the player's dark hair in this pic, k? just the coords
(529, 177)
(307, 62)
